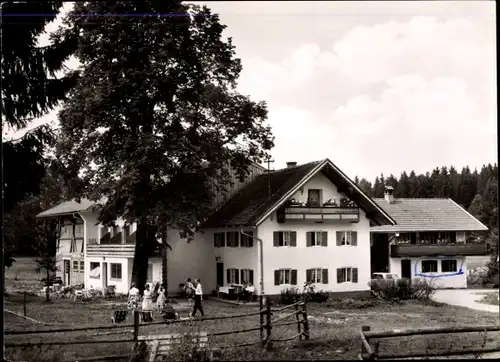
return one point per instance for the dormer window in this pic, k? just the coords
(314, 197)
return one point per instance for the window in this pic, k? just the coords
(232, 239)
(317, 238)
(116, 271)
(317, 275)
(95, 270)
(76, 266)
(82, 266)
(314, 197)
(233, 276)
(76, 246)
(347, 238)
(429, 266)
(79, 230)
(285, 276)
(347, 275)
(285, 238)
(246, 276)
(247, 241)
(219, 240)
(448, 266)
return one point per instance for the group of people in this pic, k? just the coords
(247, 291)
(194, 293)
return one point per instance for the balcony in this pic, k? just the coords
(458, 249)
(109, 250)
(319, 214)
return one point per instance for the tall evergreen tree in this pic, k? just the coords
(155, 117)
(403, 186)
(366, 187)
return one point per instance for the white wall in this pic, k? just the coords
(444, 280)
(122, 286)
(90, 231)
(331, 257)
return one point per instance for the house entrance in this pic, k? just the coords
(406, 268)
(379, 253)
(67, 272)
(220, 274)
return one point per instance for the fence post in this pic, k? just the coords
(24, 303)
(363, 349)
(298, 321)
(268, 322)
(306, 322)
(136, 325)
(261, 306)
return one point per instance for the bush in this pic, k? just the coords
(419, 288)
(289, 296)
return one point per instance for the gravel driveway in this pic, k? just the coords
(465, 298)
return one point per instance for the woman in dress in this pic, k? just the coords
(147, 301)
(133, 298)
(160, 302)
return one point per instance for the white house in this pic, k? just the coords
(428, 241)
(277, 230)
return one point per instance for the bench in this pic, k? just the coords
(160, 345)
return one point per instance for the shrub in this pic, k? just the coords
(422, 289)
(384, 289)
(349, 303)
(289, 296)
(402, 289)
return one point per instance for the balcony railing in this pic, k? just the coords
(117, 250)
(460, 249)
(319, 213)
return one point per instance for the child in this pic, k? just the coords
(189, 290)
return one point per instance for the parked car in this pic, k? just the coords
(387, 276)
(52, 280)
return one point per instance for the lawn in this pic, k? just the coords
(489, 298)
(334, 328)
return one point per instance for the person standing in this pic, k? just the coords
(161, 300)
(189, 290)
(133, 298)
(198, 296)
(147, 301)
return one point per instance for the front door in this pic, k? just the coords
(406, 269)
(104, 276)
(67, 272)
(220, 274)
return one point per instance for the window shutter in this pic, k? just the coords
(223, 241)
(293, 238)
(325, 238)
(354, 238)
(237, 277)
(276, 239)
(308, 275)
(251, 276)
(276, 277)
(308, 238)
(354, 275)
(215, 240)
(250, 241)
(339, 238)
(228, 275)
(293, 277)
(237, 237)
(242, 277)
(324, 278)
(339, 276)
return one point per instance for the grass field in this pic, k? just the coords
(334, 329)
(490, 298)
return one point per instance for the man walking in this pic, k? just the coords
(198, 296)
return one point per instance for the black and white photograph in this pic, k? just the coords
(249, 180)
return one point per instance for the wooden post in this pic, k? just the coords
(24, 303)
(298, 321)
(363, 349)
(136, 325)
(268, 323)
(306, 322)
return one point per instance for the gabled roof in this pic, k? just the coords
(254, 203)
(427, 215)
(68, 207)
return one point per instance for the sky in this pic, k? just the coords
(376, 87)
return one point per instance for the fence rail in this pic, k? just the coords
(299, 316)
(371, 353)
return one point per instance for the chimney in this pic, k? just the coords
(291, 164)
(389, 194)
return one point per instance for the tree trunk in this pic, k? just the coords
(144, 247)
(47, 290)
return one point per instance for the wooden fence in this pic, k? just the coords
(369, 352)
(297, 312)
